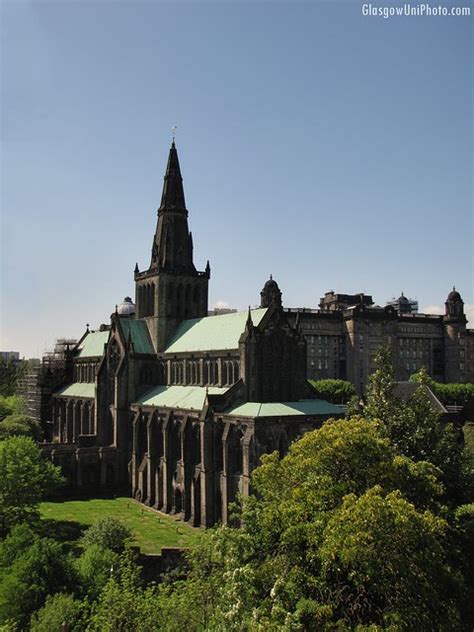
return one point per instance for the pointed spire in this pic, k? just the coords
(208, 269)
(172, 198)
(136, 269)
(249, 324)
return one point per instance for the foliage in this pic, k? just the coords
(107, 533)
(31, 574)
(124, 604)
(11, 405)
(449, 394)
(416, 431)
(378, 553)
(336, 391)
(60, 612)
(10, 372)
(338, 523)
(25, 478)
(94, 568)
(20, 425)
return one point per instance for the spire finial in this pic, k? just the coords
(173, 133)
(87, 327)
(454, 288)
(271, 277)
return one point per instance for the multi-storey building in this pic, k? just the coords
(344, 334)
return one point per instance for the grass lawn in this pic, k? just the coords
(67, 520)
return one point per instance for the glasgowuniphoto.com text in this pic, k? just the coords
(414, 10)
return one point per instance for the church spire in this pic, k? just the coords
(172, 245)
(172, 198)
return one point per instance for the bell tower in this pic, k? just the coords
(171, 290)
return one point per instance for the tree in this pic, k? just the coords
(95, 567)
(39, 569)
(12, 405)
(415, 429)
(20, 425)
(124, 604)
(25, 479)
(336, 391)
(60, 612)
(107, 533)
(297, 562)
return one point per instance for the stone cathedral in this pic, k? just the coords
(173, 404)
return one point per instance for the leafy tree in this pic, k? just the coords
(386, 565)
(416, 431)
(40, 569)
(25, 478)
(298, 562)
(10, 371)
(336, 391)
(12, 405)
(60, 612)
(95, 567)
(124, 604)
(107, 533)
(20, 425)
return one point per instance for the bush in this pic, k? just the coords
(95, 567)
(335, 391)
(20, 425)
(60, 612)
(107, 533)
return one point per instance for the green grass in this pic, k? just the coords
(67, 521)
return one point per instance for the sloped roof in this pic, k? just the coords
(212, 333)
(93, 344)
(284, 409)
(78, 389)
(139, 333)
(406, 390)
(185, 397)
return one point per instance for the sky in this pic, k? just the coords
(330, 149)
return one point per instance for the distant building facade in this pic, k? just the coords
(344, 334)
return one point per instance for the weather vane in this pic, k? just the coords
(173, 131)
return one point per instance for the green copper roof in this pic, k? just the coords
(212, 333)
(284, 409)
(78, 389)
(93, 344)
(140, 334)
(186, 397)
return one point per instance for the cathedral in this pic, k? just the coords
(172, 404)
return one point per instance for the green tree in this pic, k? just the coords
(20, 425)
(385, 563)
(25, 479)
(336, 391)
(12, 405)
(107, 533)
(124, 604)
(60, 612)
(40, 569)
(290, 567)
(95, 567)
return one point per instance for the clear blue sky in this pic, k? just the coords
(330, 149)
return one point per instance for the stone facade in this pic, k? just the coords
(346, 331)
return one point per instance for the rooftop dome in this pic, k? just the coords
(454, 295)
(403, 299)
(270, 293)
(271, 284)
(127, 307)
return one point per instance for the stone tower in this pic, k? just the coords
(171, 290)
(454, 328)
(270, 293)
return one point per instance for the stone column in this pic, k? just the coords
(167, 465)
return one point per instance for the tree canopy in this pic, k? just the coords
(25, 478)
